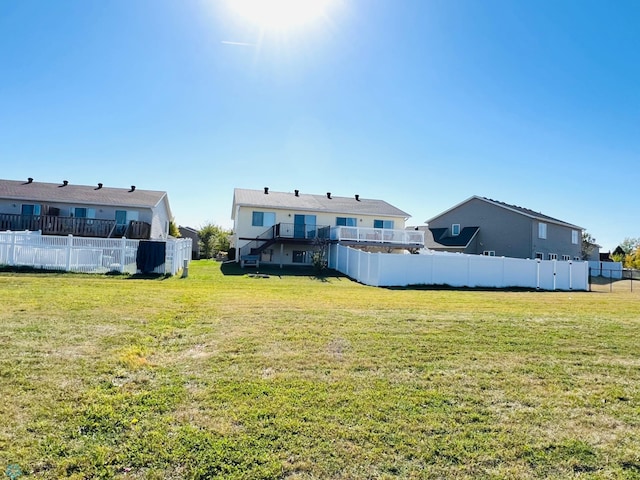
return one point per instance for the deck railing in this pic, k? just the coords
(378, 235)
(77, 226)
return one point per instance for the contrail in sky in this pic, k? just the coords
(238, 44)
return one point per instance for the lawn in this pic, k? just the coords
(298, 377)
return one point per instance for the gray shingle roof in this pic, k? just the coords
(315, 203)
(521, 210)
(78, 194)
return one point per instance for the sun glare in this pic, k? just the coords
(280, 14)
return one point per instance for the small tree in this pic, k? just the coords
(213, 239)
(588, 245)
(173, 229)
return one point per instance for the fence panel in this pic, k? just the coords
(458, 270)
(84, 254)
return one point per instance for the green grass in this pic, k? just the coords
(235, 376)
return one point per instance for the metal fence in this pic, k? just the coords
(614, 280)
(85, 255)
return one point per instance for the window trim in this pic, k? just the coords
(553, 256)
(566, 258)
(539, 256)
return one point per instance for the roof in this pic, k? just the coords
(514, 208)
(460, 241)
(79, 194)
(314, 203)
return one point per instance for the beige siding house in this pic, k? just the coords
(285, 228)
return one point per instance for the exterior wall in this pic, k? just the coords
(505, 232)
(509, 233)
(558, 241)
(244, 229)
(160, 220)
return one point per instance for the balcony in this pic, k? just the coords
(378, 236)
(78, 227)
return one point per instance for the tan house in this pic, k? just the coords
(83, 210)
(285, 228)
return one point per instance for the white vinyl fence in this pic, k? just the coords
(82, 254)
(457, 270)
(606, 269)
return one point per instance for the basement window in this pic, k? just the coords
(539, 255)
(489, 253)
(566, 258)
(553, 256)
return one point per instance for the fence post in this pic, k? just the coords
(12, 251)
(123, 251)
(69, 249)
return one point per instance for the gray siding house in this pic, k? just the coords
(483, 226)
(84, 210)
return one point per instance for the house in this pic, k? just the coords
(192, 233)
(288, 227)
(484, 226)
(83, 210)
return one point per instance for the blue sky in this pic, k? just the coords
(422, 103)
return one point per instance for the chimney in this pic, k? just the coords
(133, 187)
(297, 193)
(99, 186)
(266, 190)
(357, 197)
(29, 180)
(65, 183)
(329, 195)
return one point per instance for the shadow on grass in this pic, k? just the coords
(265, 271)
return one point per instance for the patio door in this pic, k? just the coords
(304, 226)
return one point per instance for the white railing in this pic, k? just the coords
(457, 270)
(84, 254)
(378, 235)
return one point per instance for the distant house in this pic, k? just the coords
(286, 228)
(483, 226)
(192, 233)
(83, 210)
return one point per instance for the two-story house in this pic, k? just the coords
(83, 210)
(285, 228)
(484, 226)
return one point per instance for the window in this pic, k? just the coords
(489, 253)
(455, 229)
(263, 219)
(266, 255)
(299, 256)
(383, 224)
(346, 222)
(566, 258)
(28, 209)
(539, 255)
(542, 230)
(574, 237)
(577, 259)
(553, 256)
(81, 212)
